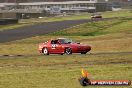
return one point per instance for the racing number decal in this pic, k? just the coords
(54, 46)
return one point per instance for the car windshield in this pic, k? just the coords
(65, 41)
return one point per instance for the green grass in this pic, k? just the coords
(62, 71)
(98, 28)
(13, 26)
(57, 18)
(33, 21)
(122, 13)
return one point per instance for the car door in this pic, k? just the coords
(56, 47)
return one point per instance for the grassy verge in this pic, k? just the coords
(98, 28)
(28, 22)
(57, 18)
(13, 26)
(122, 13)
(62, 71)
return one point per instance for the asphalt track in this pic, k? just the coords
(38, 29)
(41, 28)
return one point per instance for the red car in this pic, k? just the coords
(61, 46)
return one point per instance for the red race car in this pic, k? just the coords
(61, 46)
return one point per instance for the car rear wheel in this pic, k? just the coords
(68, 51)
(45, 51)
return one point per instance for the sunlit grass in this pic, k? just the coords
(98, 28)
(121, 13)
(62, 71)
(13, 26)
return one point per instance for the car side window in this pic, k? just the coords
(54, 41)
(54, 44)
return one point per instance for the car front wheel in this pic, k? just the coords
(68, 51)
(45, 51)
